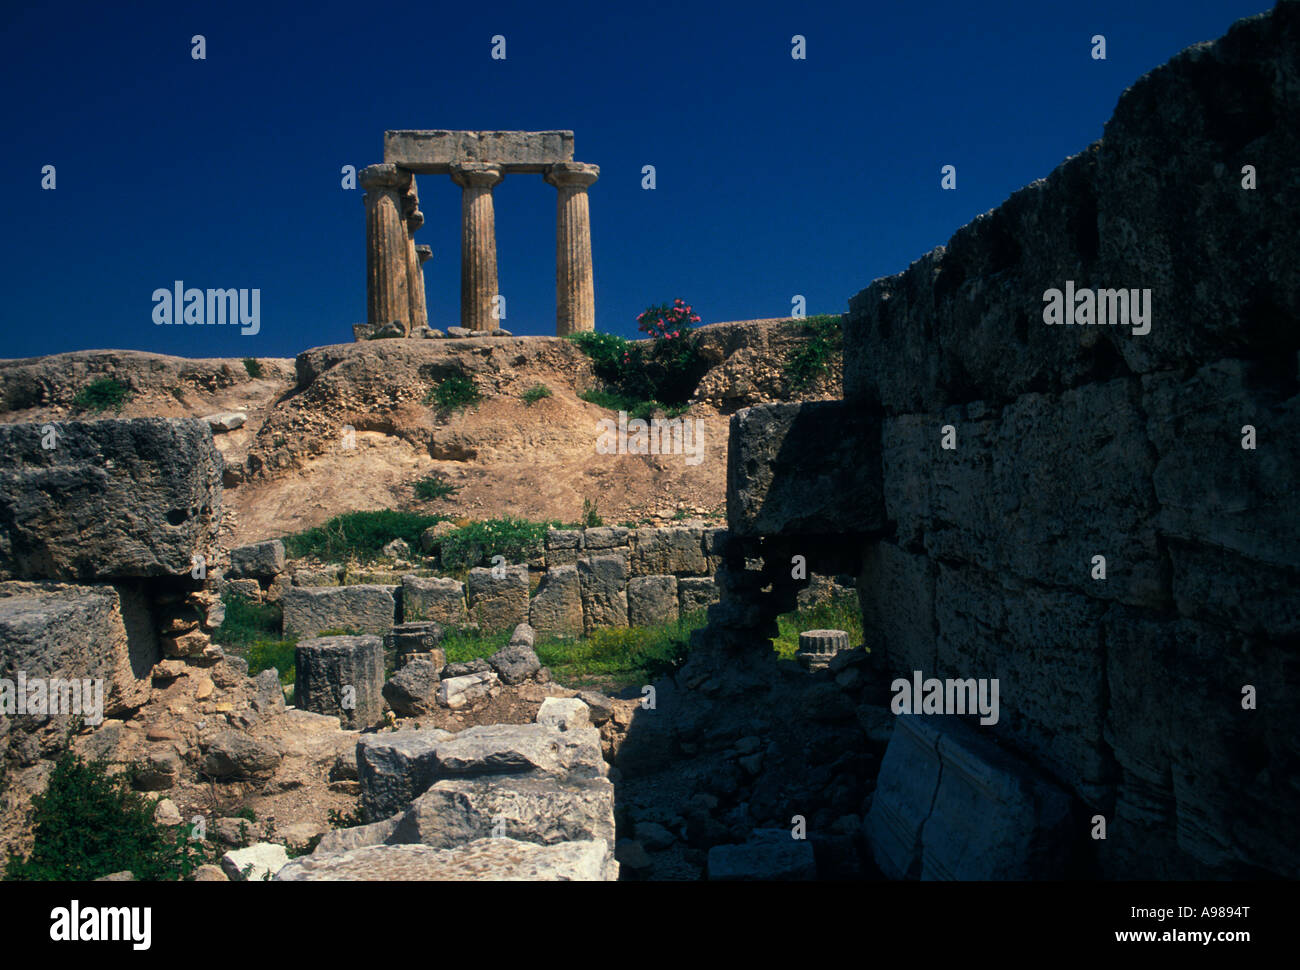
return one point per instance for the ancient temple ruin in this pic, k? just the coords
(476, 161)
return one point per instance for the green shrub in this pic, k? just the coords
(101, 394)
(434, 486)
(590, 517)
(88, 824)
(824, 339)
(535, 394)
(635, 407)
(476, 543)
(663, 369)
(253, 366)
(246, 622)
(453, 393)
(359, 535)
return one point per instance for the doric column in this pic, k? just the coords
(419, 316)
(423, 254)
(478, 243)
(387, 241)
(575, 294)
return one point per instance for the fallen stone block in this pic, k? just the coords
(529, 808)
(413, 689)
(366, 609)
(234, 754)
(394, 768)
(951, 804)
(260, 560)
(457, 692)
(517, 748)
(564, 713)
(257, 863)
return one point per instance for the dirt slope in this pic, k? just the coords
(290, 466)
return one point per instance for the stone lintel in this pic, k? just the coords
(435, 152)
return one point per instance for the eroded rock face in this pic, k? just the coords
(114, 499)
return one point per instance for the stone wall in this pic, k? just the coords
(1003, 456)
(1076, 442)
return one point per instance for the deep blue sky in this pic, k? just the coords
(775, 176)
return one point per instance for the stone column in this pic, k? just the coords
(419, 315)
(423, 254)
(575, 295)
(478, 243)
(387, 242)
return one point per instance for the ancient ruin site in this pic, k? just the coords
(989, 573)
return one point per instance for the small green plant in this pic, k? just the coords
(590, 517)
(359, 535)
(535, 394)
(101, 394)
(253, 366)
(434, 486)
(454, 393)
(88, 823)
(634, 407)
(476, 543)
(824, 335)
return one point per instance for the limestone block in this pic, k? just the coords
(498, 602)
(696, 593)
(260, 560)
(652, 600)
(442, 600)
(364, 608)
(673, 549)
(556, 609)
(113, 499)
(603, 581)
(53, 631)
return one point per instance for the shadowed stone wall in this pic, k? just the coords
(1071, 442)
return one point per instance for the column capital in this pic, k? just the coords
(571, 174)
(476, 174)
(384, 176)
